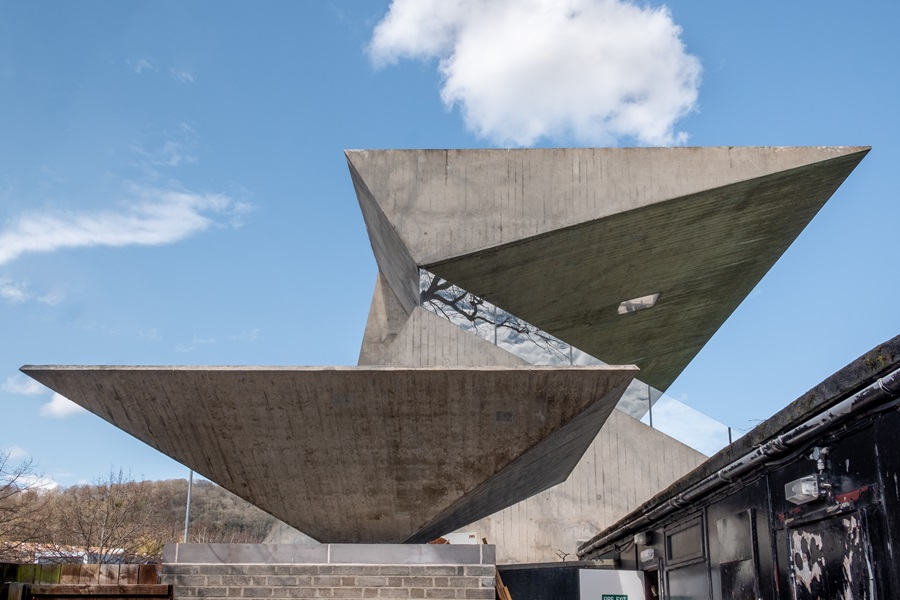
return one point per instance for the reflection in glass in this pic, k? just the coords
(636, 304)
(689, 426)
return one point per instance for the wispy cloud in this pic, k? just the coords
(169, 154)
(52, 298)
(12, 291)
(165, 150)
(16, 292)
(250, 335)
(195, 342)
(140, 65)
(60, 407)
(23, 477)
(181, 75)
(143, 65)
(13, 452)
(246, 336)
(522, 70)
(150, 334)
(151, 216)
(20, 384)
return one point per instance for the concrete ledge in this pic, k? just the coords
(357, 554)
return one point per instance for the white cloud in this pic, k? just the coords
(21, 474)
(181, 75)
(40, 483)
(170, 154)
(60, 407)
(194, 343)
(238, 213)
(140, 65)
(250, 335)
(13, 452)
(20, 384)
(151, 334)
(247, 336)
(522, 70)
(152, 216)
(13, 292)
(52, 298)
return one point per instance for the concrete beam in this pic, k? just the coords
(351, 454)
(391, 254)
(386, 317)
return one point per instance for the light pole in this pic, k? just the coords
(187, 510)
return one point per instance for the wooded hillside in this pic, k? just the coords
(116, 519)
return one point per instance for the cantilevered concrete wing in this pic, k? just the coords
(351, 454)
(574, 240)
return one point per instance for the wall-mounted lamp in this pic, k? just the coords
(803, 490)
(643, 539)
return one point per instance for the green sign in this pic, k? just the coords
(614, 597)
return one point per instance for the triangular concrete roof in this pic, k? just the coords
(352, 454)
(561, 237)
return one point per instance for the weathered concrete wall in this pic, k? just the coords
(282, 533)
(627, 463)
(329, 571)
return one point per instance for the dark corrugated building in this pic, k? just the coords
(806, 506)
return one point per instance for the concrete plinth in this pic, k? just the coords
(329, 571)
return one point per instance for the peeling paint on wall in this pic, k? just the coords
(830, 560)
(808, 559)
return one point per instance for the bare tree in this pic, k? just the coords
(23, 514)
(109, 521)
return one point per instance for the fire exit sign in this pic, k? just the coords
(614, 597)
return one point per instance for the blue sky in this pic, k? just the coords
(173, 188)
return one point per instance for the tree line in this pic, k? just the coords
(115, 518)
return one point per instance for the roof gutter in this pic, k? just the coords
(882, 390)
